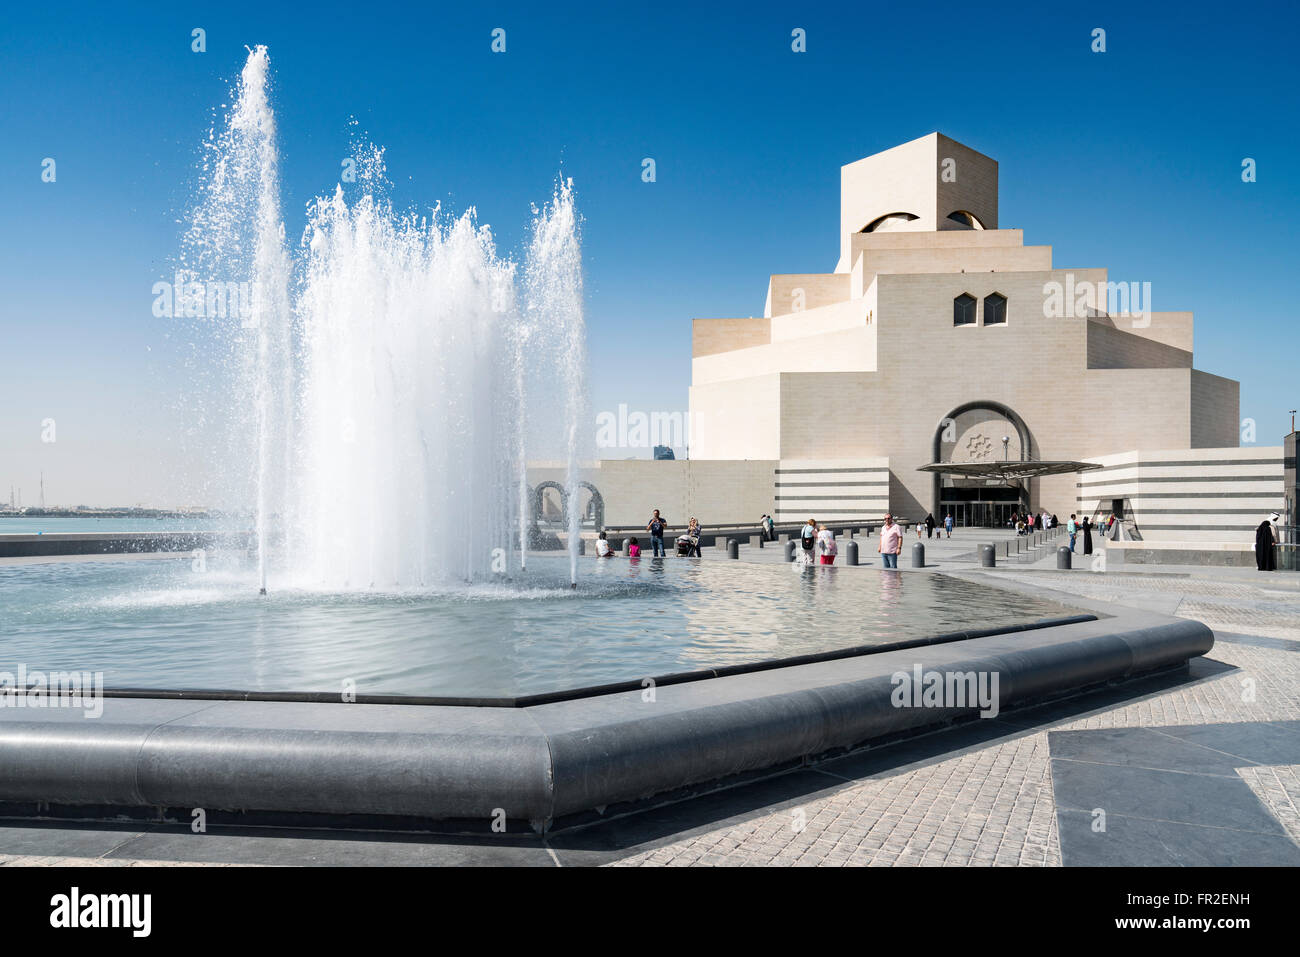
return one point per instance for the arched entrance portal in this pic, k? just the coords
(550, 505)
(591, 506)
(981, 432)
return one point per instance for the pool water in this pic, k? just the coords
(165, 625)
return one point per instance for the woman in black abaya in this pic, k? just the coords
(1264, 559)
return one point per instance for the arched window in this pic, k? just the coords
(965, 220)
(963, 310)
(888, 222)
(995, 309)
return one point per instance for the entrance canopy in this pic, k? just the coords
(1007, 471)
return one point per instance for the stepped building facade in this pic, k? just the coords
(945, 367)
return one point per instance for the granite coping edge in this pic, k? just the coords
(547, 761)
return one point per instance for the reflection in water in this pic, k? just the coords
(163, 625)
(891, 599)
(260, 656)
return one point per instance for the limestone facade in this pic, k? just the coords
(939, 335)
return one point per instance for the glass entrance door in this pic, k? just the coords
(979, 507)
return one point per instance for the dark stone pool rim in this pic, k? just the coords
(549, 762)
(49, 544)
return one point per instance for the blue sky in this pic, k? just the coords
(1128, 160)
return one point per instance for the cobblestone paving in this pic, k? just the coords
(993, 805)
(1279, 789)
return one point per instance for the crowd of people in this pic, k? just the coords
(1030, 522)
(817, 541)
(687, 544)
(817, 545)
(928, 526)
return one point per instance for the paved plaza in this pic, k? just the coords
(1201, 767)
(993, 800)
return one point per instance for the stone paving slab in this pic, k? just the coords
(1279, 789)
(1122, 793)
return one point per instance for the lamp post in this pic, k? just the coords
(1006, 458)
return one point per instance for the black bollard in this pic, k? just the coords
(988, 556)
(918, 555)
(1063, 556)
(733, 548)
(789, 551)
(850, 552)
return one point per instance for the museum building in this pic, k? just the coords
(944, 367)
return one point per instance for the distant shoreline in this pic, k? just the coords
(109, 513)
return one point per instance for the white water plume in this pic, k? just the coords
(553, 303)
(387, 388)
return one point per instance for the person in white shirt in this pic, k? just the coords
(826, 545)
(602, 547)
(891, 542)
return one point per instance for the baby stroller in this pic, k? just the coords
(687, 546)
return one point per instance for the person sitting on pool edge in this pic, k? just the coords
(693, 533)
(633, 549)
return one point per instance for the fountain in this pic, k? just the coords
(386, 368)
(381, 394)
(553, 280)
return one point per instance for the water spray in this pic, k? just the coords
(393, 378)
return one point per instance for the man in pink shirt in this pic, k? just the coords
(891, 542)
